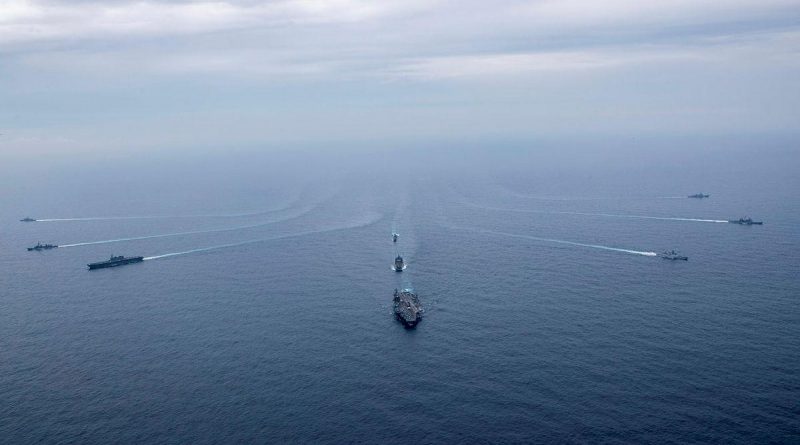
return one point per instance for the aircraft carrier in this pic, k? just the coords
(407, 307)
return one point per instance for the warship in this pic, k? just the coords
(699, 195)
(747, 221)
(673, 256)
(115, 261)
(40, 246)
(407, 307)
(28, 219)
(399, 265)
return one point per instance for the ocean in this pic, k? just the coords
(262, 313)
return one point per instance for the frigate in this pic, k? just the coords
(747, 221)
(40, 246)
(399, 265)
(673, 256)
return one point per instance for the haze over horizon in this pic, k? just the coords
(86, 76)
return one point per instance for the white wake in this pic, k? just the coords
(373, 218)
(609, 215)
(552, 240)
(193, 232)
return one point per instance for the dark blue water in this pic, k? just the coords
(282, 331)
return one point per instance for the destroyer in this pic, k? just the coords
(699, 195)
(28, 219)
(40, 246)
(116, 261)
(746, 222)
(673, 256)
(399, 265)
(407, 307)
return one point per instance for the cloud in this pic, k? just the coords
(775, 48)
(394, 64)
(412, 40)
(37, 21)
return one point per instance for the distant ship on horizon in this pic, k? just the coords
(28, 219)
(699, 195)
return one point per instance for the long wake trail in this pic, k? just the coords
(224, 215)
(579, 198)
(558, 241)
(193, 232)
(609, 215)
(373, 219)
(112, 218)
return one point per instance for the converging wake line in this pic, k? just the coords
(580, 198)
(610, 215)
(112, 218)
(194, 232)
(375, 217)
(552, 240)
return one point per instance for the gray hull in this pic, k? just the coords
(115, 262)
(407, 308)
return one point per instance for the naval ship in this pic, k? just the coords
(115, 261)
(395, 236)
(40, 246)
(747, 221)
(399, 265)
(28, 219)
(699, 195)
(407, 307)
(673, 256)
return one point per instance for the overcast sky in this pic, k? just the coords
(85, 75)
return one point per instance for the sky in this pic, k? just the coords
(83, 76)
